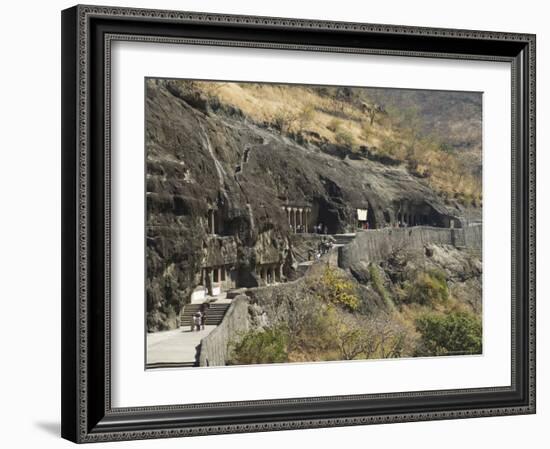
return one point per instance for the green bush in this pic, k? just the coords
(260, 346)
(428, 288)
(449, 334)
(378, 285)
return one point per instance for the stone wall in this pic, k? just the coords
(268, 294)
(473, 236)
(377, 244)
(214, 347)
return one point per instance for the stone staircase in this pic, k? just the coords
(214, 314)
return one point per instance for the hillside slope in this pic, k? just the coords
(208, 161)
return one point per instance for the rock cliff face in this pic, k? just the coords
(217, 188)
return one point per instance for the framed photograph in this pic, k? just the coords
(277, 224)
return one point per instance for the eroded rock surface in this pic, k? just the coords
(218, 185)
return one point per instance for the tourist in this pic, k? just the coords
(203, 308)
(197, 318)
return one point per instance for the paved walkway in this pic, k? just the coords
(175, 346)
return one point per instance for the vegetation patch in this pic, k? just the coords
(395, 131)
(427, 288)
(378, 285)
(260, 346)
(452, 333)
(338, 290)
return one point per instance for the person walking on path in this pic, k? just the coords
(197, 321)
(203, 309)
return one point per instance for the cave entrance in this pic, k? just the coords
(328, 218)
(421, 214)
(436, 219)
(269, 274)
(371, 218)
(246, 278)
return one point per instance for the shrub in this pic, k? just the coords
(260, 346)
(360, 337)
(345, 137)
(450, 334)
(428, 288)
(338, 290)
(378, 285)
(306, 115)
(284, 120)
(366, 131)
(334, 125)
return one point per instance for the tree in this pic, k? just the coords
(448, 334)
(260, 346)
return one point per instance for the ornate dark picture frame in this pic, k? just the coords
(87, 34)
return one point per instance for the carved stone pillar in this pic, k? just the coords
(209, 280)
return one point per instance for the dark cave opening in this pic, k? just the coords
(328, 217)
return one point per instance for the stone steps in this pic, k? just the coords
(214, 314)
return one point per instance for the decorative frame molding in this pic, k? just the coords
(88, 32)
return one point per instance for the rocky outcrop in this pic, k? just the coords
(217, 186)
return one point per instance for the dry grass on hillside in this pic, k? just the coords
(322, 118)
